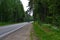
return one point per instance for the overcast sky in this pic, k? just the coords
(25, 4)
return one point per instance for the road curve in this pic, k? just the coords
(5, 30)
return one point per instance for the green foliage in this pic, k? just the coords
(46, 11)
(28, 17)
(11, 11)
(46, 32)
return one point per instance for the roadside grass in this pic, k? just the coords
(6, 23)
(46, 32)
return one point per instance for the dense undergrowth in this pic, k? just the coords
(46, 31)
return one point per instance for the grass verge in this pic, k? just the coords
(7, 23)
(46, 32)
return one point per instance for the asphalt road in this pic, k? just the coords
(23, 33)
(10, 28)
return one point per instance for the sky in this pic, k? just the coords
(25, 5)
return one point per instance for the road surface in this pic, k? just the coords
(20, 34)
(10, 28)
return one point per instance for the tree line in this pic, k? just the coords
(12, 11)
(46, 11)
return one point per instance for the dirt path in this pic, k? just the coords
(21, 34)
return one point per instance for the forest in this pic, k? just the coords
(12, 11)
(46, 14)
(46, 11)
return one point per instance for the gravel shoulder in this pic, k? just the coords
(21, 34)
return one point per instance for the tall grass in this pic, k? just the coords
(46, 31)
